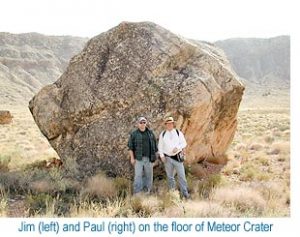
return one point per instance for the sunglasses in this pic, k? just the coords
(142, 122)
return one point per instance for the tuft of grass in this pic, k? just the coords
(42, 186)
(144, 205)
(38, 204)
(47, 205)
(207, 185)
(4, 163)
(265, 161)
(246, 201)
(90, 208)
(123, 187)
(256, 147)
(280, 148)
(137, 206)
(71, 168)
(248, 172)
(269, 139)
(170, 198)
(232, 167)
(3, 202)
(206, 209)
(101, 187)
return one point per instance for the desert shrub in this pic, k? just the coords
(3, 202)
(4, 163)
(137, 205)
(232, 167)
(172, 211)
(280, 148)
(240, 147)
(71, 168)
(248, 172)
(205, 209)
(37, 204)
(36, 180)
(123, 187)
(91, 208)
(45, 204)
(246, 201)
(265, 161)
(207, 185)
(269, 139)
(170, 198)
(15, 181)
(144, 206)
(41, 186)
(101, 187)
(256, 147)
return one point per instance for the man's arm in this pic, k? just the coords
(160, 148)
(155, 142)
(131, 148)
(132, 160)
(182, 141)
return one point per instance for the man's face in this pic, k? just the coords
(142, 125)
(169, 125)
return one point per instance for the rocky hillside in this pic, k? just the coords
(264, 68)
(259, 60)
(30, 61)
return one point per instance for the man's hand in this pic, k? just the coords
(175, 150)
(132, 161)
(163, 159)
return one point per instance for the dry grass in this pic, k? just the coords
(244, 200)
(145, 206)
(255, 181)
(3, 202)
(113, 208)
(101, 187)
(21, 141)
(206, 209)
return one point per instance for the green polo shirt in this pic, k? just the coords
(142, 144)
(145, 144)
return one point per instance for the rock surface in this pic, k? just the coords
(5, 117)
(131, 70)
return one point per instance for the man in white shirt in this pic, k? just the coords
(171, 143)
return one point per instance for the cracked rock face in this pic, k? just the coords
(131, 70)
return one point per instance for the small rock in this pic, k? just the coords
(5, 117)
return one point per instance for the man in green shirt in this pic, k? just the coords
(142, 150)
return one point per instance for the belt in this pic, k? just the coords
(172, 157)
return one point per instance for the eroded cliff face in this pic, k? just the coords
(131, 70)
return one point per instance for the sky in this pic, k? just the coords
(209, 20)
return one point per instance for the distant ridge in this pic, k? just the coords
(31, 60)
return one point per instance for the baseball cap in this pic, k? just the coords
(140, 119)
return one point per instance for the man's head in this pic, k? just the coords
(142, 122)
(169, 123)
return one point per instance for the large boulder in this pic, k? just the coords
(131, 70)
